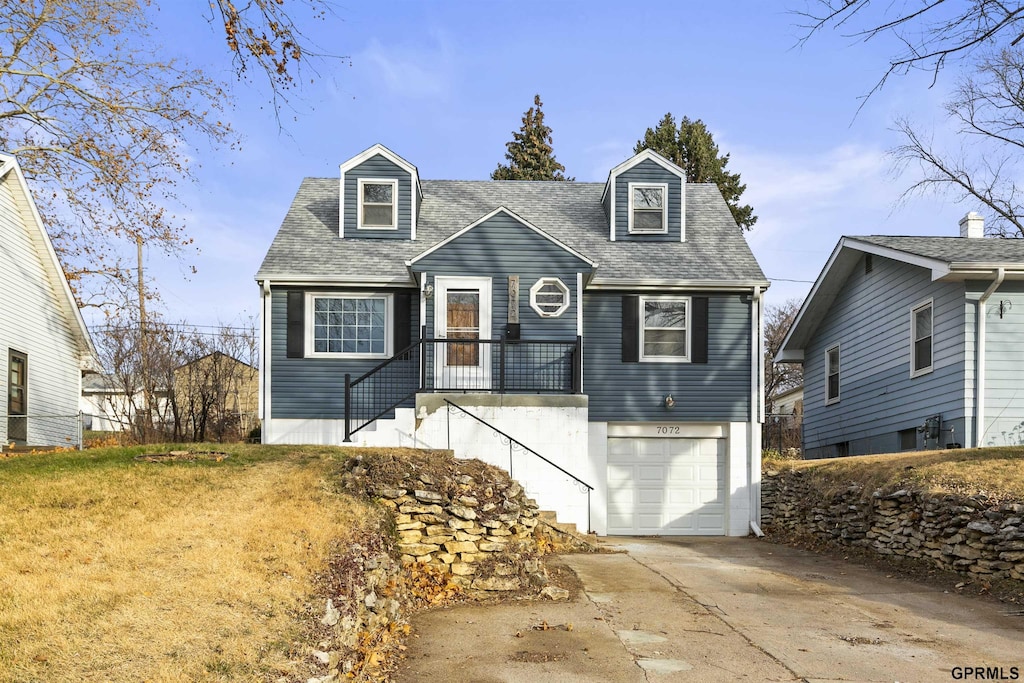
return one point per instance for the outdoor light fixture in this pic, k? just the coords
(428, 291)
(669, 401)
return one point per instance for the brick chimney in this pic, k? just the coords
(972, 226)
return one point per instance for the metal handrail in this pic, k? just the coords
(513, 440)
(403, 355)
(405, 387)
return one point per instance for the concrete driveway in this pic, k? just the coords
(722, 609)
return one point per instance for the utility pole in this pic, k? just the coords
(147, 417)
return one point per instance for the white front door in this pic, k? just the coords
(462, 311)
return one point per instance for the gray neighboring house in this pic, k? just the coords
(913, 342)
(612, 328)
(44, 344)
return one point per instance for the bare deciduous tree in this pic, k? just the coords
(193, 385)
(105, 123)
(779, 377)
(932, 32)
(988, 111)
(780, 432)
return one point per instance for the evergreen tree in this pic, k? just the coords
(529, 154)
(691, 147)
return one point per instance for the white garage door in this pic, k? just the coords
(666, 486)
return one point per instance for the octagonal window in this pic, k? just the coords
(549, 297)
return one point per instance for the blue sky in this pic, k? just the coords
(445, 85)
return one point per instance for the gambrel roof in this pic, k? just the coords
(307, 248)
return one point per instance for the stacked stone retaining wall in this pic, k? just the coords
(969, 534)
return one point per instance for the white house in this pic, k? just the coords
(44, 344)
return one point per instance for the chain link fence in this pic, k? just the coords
(28, 432)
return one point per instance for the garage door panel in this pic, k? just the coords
(666, 486)
(651, 496)
(620, 474)
(650, 473)
(683, 474)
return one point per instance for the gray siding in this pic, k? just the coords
(497, 248)
(870, 320)
(312, 387)
(378, 167)
(648, 172)
(32, 321)
(718, 391)
(1004, 362)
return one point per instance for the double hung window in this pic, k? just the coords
(832, 365)
(354, 325)
(665, 332)
(921, 339)
(647, 208)
(377, 209)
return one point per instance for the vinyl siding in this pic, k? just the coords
(1004, 362)
(718, 391)
(378, 167)
(870, 319)
(648, 172)
(497, 248)
(32, 321)
(312, 387)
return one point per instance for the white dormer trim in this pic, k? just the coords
(492, 214)
(645, 155)
(379, 149)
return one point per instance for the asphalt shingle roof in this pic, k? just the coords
(953, 249)
(308, 246)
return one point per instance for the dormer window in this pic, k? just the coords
(647, 208)
(377, 204)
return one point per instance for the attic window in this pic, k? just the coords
(377, 204)
(549, 297)
(647, 208)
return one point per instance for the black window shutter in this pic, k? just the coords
(630, 329)
(296, 345)
(699, 335)
(401, 329)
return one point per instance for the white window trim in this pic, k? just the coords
(393, 182)
(538, 285)
(389, 324)
(927, 303)
(839, 385)
(689, 330)
(664, 209)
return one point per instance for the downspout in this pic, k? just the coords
(265, 315)
(979, 355)
(756, 406)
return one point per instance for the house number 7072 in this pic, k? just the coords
(668, 430)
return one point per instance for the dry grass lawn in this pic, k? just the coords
(996, 472)
(112, 569)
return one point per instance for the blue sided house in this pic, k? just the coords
(600, 340)
(913, 342)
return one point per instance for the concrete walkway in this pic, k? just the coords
(720, 610)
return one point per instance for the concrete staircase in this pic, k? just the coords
(566, 535)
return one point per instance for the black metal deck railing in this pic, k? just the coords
(463, 365)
